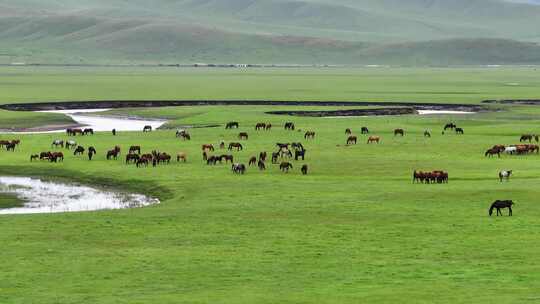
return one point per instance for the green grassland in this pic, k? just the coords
(354, 230)
(467, 85)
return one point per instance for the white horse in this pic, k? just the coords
(505, 175)
(510, 150)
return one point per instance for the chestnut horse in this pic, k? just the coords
(208, 147)
(285, 166)
(351, 140)
(373, 139)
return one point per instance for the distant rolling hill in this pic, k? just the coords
(398, 32)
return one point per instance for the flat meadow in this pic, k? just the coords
(355, 229)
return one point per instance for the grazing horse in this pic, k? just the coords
(183, 134)
(262, 156)
(243, 136)
(91, 149)
(459, 131)
(71, 143)
(348, 131)
(505, 175)
(232, 125)
(493, 151)
(399, 132)
(351, 140)
(54, 156)
(235, 145)
(208, 147)
(528, 137)
(57, 142)
(132, 157)
(181, 156)
(309, 134)
(142, 161)
(147, 128)
(304, 169)
(79, 150)
(289, 126)
(450, 126)
(430, 177)
(364, 130)
(11, 147)
(227, 158)
(134, 149)
(261, 165)
(238, 168)
(501, 205)
(268, 127)
(34, 157)
(299, 153)
(44, 155)
(112, 154)
(74, 132)
(212, 160)
(163, 158)
(285, 166)
(88, 131)
(260, 125)
(373, 139)
(252, 161)
(179, 132)
(427, 134)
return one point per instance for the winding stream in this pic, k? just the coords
(40, 196)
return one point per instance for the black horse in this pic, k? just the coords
(299, 153)
(232, 125)
(501, 205)
(147, 128)
(365, 130)
(79, 150)
(459, 131)
(450, 126)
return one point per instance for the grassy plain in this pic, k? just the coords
(354, 230)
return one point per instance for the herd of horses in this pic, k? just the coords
(520, 149)
(282, 156)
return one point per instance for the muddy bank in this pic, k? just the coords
(514, 101)
(114, 104)
(352, 112)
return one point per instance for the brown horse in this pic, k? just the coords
(238, 168)
(44, 155)
(226, 158)
(34, 157)
(243, 136)
(131, 157)
(399, 132)
(112, 154)
(181, 156)
(235, 145)
(163, 158)
(351, 140)
(285, 166)
(260, 125)
(88, 131)
(252, 161)
(348, 131)
(373, 139)
(54, 156)
(208, 147)
(142, 161)
(493, 151)
(268, 127)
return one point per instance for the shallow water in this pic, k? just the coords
(105, 123)
(99, 123)
(435, 112)
(52, 197)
